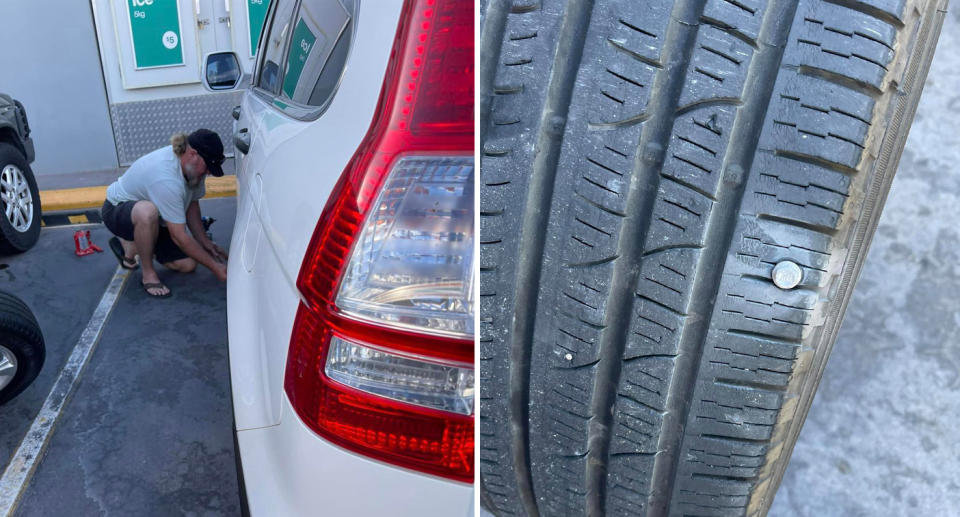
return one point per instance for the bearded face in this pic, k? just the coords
(193, 175)
(194, 168)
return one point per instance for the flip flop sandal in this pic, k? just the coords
(157, 285)
(117, 249)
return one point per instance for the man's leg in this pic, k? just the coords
(118, 219)
(184, 265)
(170, 255)
(146, 225)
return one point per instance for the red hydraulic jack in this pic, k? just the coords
(84, 246)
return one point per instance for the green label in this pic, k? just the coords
(155, 27)
(300, 46)
(256, 14)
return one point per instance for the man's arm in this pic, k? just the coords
(195, 223)
(193, 249)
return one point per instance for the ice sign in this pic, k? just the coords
(256, 14)
(155, 33)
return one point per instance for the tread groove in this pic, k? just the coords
(627, 79)
(639, 57)
(691, 186)
(815, 160)
(736, 383)
(573, 30)
(764, 336)
(709, 103)
(729, 29)
(680, 42)
(826, 230)
(868, 10)
(758, 91)
(838, 79)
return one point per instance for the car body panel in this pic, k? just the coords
(14, 128)
(284, 181)
(281, 475)
(282, 186)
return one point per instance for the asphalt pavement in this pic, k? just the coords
(148, 429)
(62, 290)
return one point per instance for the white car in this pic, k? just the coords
(351, 280)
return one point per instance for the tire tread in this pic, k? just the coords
(643, 170)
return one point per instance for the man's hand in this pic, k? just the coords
(220, 271)
(197, 251)
(216, 251)
(195, 223)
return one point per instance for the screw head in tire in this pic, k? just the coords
(787, 274)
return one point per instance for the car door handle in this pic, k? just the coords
(236, 113)
(241, 140)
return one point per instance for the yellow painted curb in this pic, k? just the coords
(92, 197)
(224, 186)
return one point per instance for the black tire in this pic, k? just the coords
(11, 239)
(237, 459)
(241, 482)
(20, 334)
(644, 166)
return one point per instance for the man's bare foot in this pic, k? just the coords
(156, 290)
(129, 250)
(153, 286)
(117, 248)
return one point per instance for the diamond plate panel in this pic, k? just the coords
(141, 127)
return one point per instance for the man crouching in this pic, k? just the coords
(153, 203)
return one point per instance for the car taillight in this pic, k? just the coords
(411, 265)
(381, 356)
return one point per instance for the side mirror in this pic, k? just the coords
(221, 71)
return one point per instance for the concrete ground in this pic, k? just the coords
(148, 429)
(881, 437)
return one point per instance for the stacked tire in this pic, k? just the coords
(22, 349)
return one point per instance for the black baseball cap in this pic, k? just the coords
(210, 148)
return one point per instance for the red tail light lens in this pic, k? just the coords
(381, 357)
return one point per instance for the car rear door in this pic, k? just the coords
(318, 78)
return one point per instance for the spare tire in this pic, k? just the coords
(22, 351)
(676, 200)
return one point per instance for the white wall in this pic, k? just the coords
(49, 60)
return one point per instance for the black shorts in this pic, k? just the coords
(119, 221)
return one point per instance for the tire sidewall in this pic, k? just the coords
(12, 240)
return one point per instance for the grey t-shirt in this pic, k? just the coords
(157, 177)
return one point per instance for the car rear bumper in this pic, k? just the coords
(289, 470)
